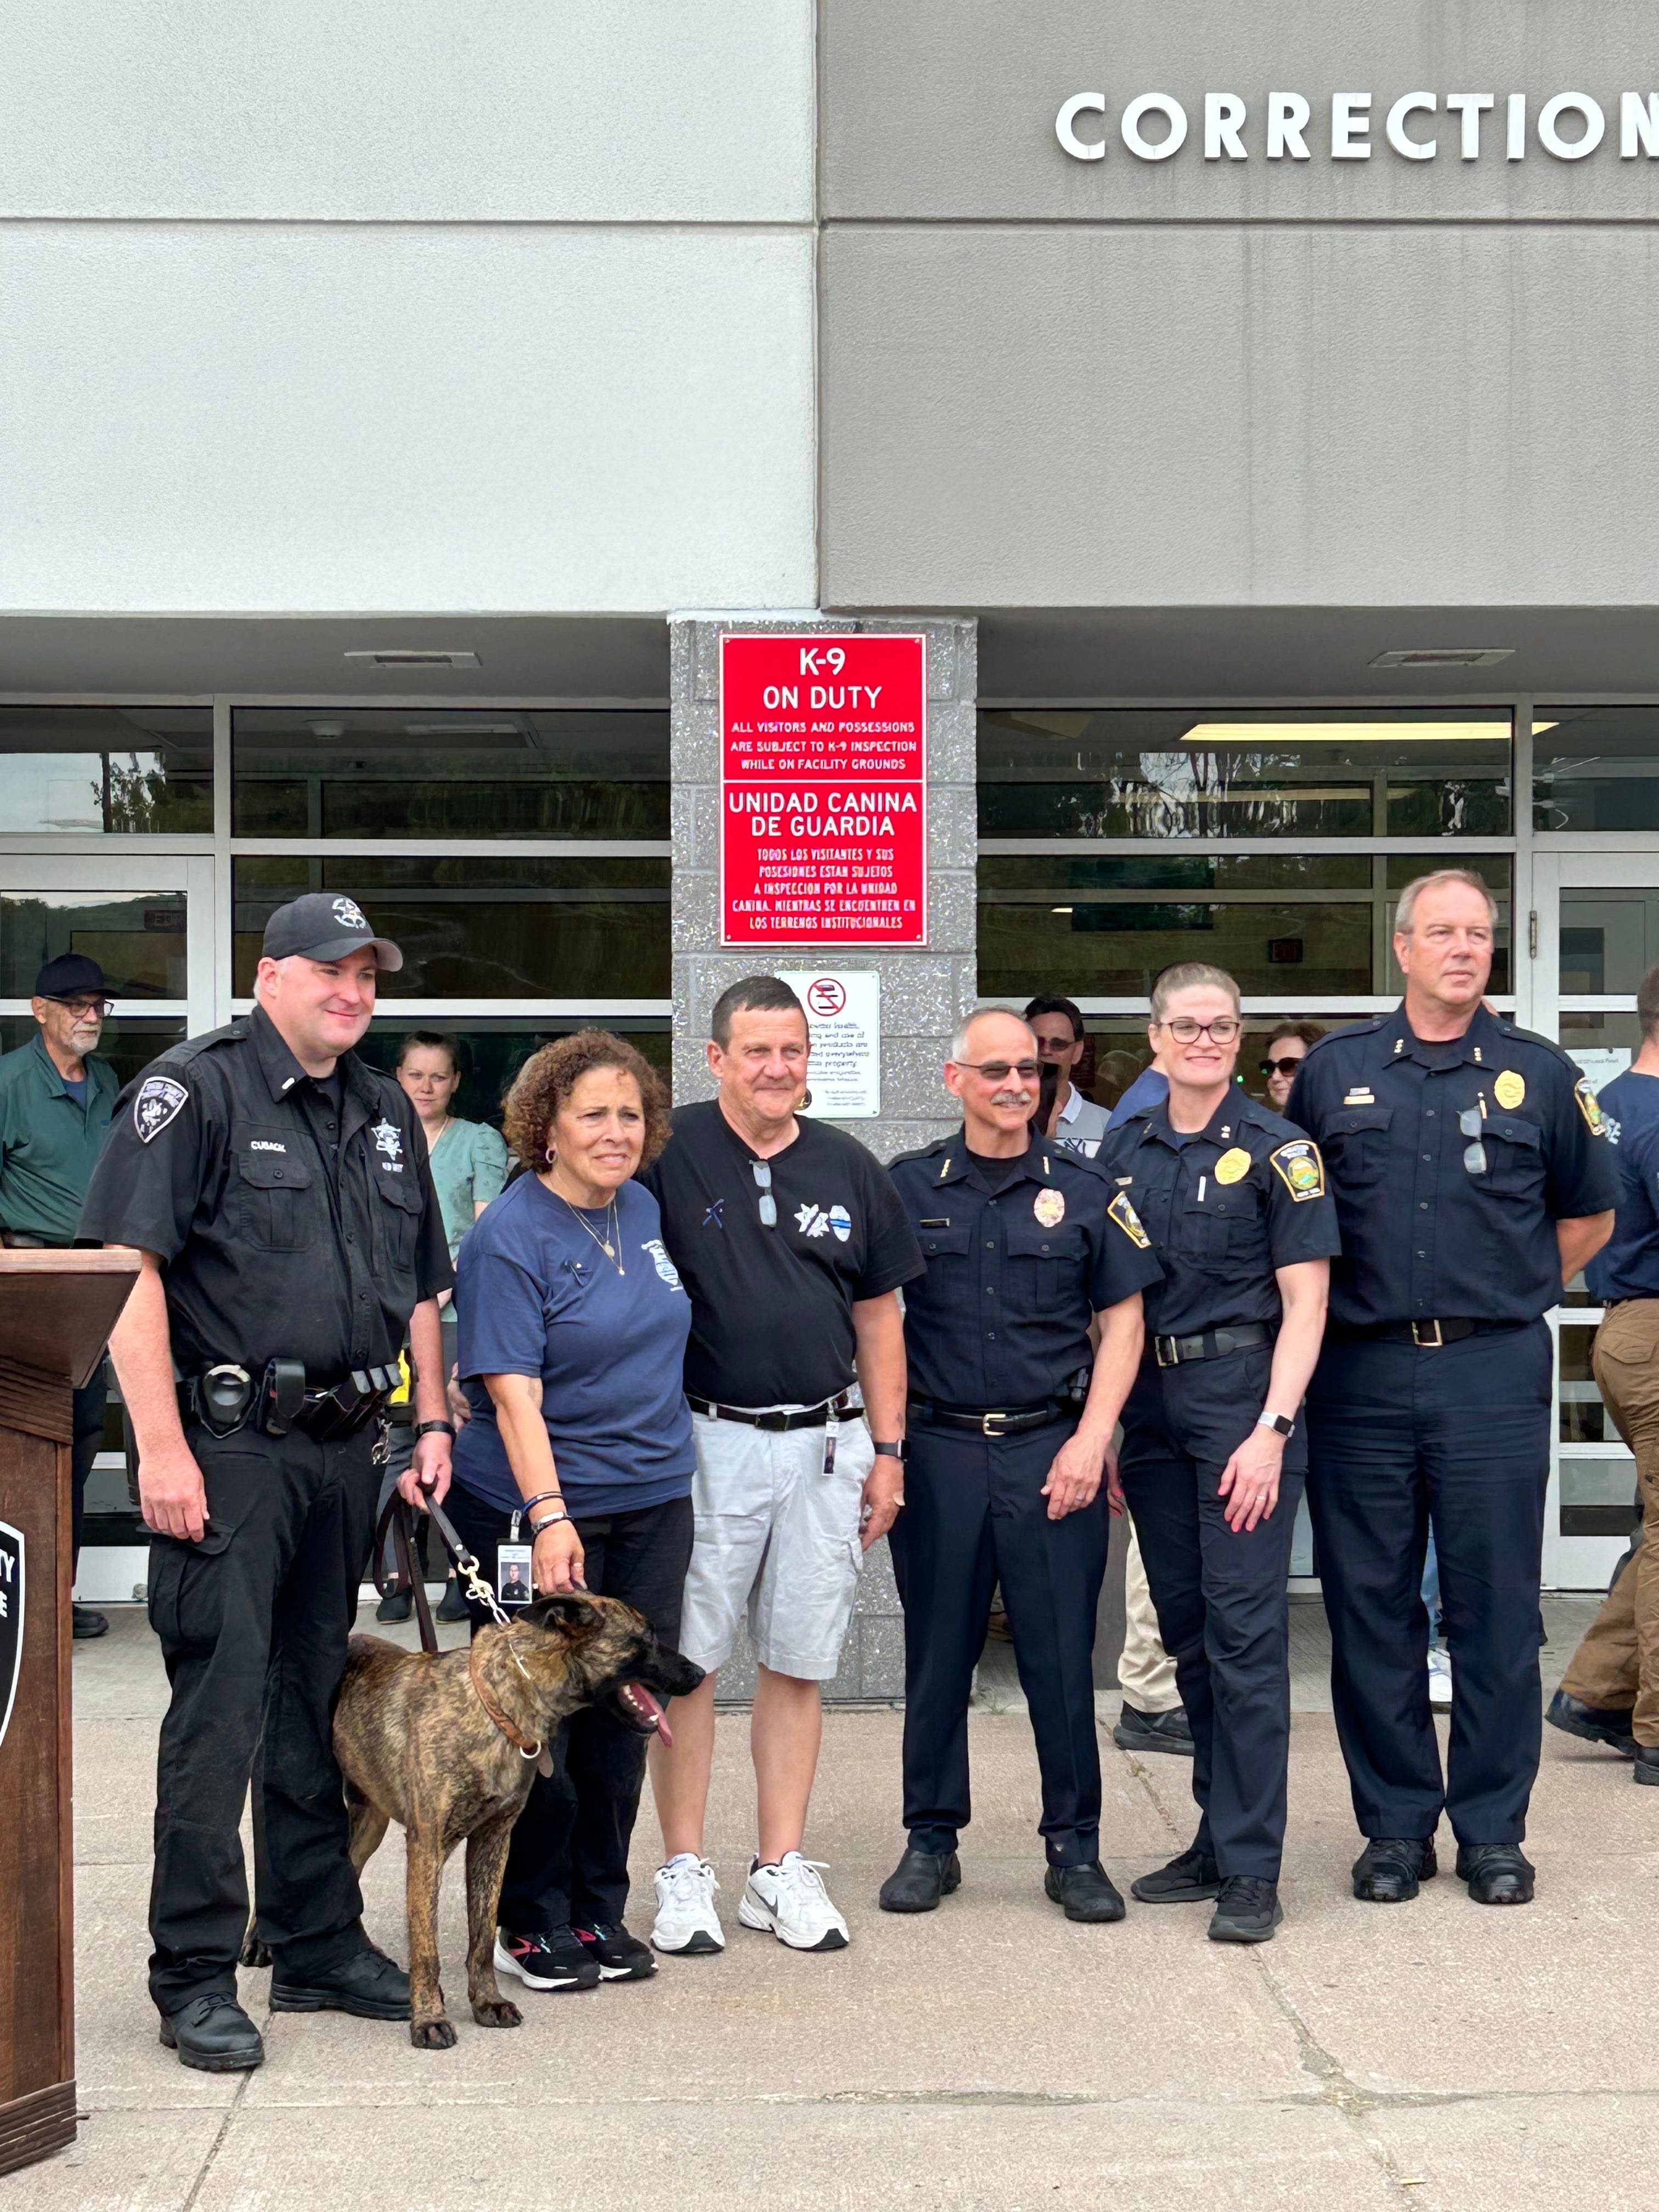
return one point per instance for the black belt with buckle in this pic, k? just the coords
(1427, 1335)
(995, 1420)
(227, 1398)
(810, 1416)
(1211, 1343)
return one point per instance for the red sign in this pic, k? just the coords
(823, 790)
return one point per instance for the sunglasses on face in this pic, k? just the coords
(762, 1172)
(1285, 1067)
(1222, 1030)
(998, 1070)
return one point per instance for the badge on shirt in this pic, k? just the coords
(660, 1261)
(160, 1100)
(1300, 1169)
(1129, 1221)
(1508, 1090)
(1587, 1106)
(1233, 1166)
(1049, 1207)
(389, 1139)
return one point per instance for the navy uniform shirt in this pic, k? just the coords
(1627, 1266)
(287, 1228)
(1014, 1274)
(1224, 1208)
(1425, 1236)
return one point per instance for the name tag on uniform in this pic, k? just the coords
(1360, 1098)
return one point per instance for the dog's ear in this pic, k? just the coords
(567, 1609)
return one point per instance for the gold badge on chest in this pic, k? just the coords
(1233, 1166)
(1049, 1207)
(1508, 1090)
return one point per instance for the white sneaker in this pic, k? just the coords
(687, 1925)
(1440, 1678)
(790, 1899)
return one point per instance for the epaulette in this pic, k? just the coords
(189, 1049)
(1507, 1028)
(922, 1152)
(1355, 1030)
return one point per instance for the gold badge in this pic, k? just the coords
(1301, 1169)
(1232, 1166)
(1129, 1221)
(1508, 1090)
(1049, 1207)
(1589, 1107)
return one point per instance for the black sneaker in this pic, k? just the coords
(85, 1622)
(619, 1956)
(1138, 1731)
(1247, 1911)
(1190, 1880)
(396, 1605)
(553, 1959)
(454, 1601)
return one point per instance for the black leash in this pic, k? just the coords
(398, 1523)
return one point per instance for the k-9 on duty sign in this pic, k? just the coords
(823, 790)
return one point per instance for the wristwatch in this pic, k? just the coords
(429, 1428)
(1278, 1423)
(900, 1451)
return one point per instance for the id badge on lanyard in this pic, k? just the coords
(831, 1430)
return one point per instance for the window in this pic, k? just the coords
(1595, 768)
(138, 939)
(107, 771)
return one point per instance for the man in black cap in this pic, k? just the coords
(56, 1099)
(279, 1192)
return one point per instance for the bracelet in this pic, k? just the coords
(428, 1428)
(548, 1521)
(542, 1498)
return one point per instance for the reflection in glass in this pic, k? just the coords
(1597, 1496)
(138, 939)
(128, 1043)
(1596, 767)
(1609, 938)
(1584, 1418)
(380, 772)
(492, 1053)
(1122, 772)
(107, 771)
(482, 928)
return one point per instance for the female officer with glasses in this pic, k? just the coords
(1235, 1202)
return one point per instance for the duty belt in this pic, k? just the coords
(776, 1424)
(995, 1420)
(1211, 1343)
(226, 1398)
(1427, 1335)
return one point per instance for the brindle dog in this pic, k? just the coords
(417, 1744)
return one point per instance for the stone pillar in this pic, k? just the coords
(924, 990)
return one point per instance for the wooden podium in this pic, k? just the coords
(57, 1310)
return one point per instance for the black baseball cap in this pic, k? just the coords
(326, 925)
(71, 976)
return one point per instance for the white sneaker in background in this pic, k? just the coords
(1440, 1678)
(687, 1925)
(790, 1899)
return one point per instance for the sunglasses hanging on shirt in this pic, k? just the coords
(1469, 1122)
(761, 1171)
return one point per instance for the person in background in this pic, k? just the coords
(56, 1099)
(1287, 1048)
(1610, 1692)
(469, 1161)
(1076, 1123)
(572, 1330)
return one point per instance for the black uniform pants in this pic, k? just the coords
(87, 1417)
(567, 1862)
(252, 1622)
(973, 1518)
(1220, 1594)
(1459, 1437)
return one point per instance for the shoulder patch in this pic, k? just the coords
(160, 1100)
(1128, 1221)
(1300, 1169)
(1589, 1107)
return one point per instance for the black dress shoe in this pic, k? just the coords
(1647, 1763)
(396, 1605)
(366, 1984)
(1596, 1723)
(1189, 1880)
(215, 2035)
(1083, 1893)
(453, 1604)
(1247, 1911)
(85, 1623)
(1391, 1868)
(1138, 1731)
(1496, 1873)
(919, 1880)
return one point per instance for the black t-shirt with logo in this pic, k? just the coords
(772, 1309)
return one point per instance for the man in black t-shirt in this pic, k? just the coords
(792, 1244)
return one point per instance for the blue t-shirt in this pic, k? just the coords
(537, 1296)
(1149, 1087)
(1627, 1265)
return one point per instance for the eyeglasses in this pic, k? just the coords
(1287, 1067)
(102, 1008)
(1469, 1122)
(762, 1172)
(1185, 1030)
(998, 1070)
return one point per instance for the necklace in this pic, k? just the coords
(606, 1243)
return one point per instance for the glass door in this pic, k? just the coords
(1598, 934)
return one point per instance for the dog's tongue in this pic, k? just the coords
(652, 1707)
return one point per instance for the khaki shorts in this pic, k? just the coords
(778, 1536)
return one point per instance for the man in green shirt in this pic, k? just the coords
(56, 1098)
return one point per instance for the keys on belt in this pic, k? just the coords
(226, 1399)
(1210, 1344)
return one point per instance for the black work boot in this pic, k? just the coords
(1594, 1723)
(1083, 1893)
(1390, 1869)
(366, 1984)
(919, 1880)
(1647, 1763)
(214, 2034)
(1496, 1873)
(1247, 1910)
(1138, 1731)
(1189, 1880)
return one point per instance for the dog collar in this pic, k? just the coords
(526, 1747)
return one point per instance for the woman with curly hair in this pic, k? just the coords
(573, 1331)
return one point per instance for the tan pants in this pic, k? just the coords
(1145, 1672)
(1617, 1665)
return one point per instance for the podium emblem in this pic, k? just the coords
(11, 1619)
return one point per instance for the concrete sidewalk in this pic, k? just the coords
(988, 2056)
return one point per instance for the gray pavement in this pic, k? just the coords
(987, 2056)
